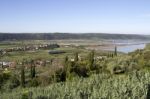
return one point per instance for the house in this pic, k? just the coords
(72, 60)
(100, 57)
(8, 64)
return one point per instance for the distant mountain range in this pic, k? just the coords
(59, 36)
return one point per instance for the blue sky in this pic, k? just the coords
(99, 16)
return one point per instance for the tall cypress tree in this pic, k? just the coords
(65, 62)
(32, 69)
(66, 59)
(76, 57)
(115, 51)
(22, 75)
(91, 59)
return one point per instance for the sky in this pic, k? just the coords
(75, 16)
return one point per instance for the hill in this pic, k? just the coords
(55, 36)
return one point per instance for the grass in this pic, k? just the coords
(43, 54)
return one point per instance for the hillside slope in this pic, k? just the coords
(102, 86)
(55, 36)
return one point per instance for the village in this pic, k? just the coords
(39, 62)
(32, 48)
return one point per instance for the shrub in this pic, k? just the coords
(148, 92)
(33, 83)
(60, 75)
(14, 82)
(81, 70)
(22, 77)
(26, 95)
(1, 78)
(44, 80)
(6, 74)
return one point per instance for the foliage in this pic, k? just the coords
(91, 59)
(32, 69)
(65, 61)
(87, 78)
(22, 76)
(33, 83)
(129, 86)
(115, 53)
(45, 80)
(6, 74)
(76, 57)
(14, 82)
(26, 94)
(60, 75)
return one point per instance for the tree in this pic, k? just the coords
(66, 59)
(68, 70)
(22, 75)
(76, 57)
(32, 69)
(65, 62)
(14, 82)
(91, 59)
(115, 53)
(0, 58)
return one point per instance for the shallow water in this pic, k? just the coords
(130, 47)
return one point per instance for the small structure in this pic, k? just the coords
(72, 60)
(8, 64)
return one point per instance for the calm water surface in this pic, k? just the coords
(130, 47)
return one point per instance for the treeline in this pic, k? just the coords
(55, 36)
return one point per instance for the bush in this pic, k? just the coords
(1, 78)
(44, 80)
(14, 82)
(6, 74)
(60, 75)
(33, 83)
(82, 71)
(26, 95)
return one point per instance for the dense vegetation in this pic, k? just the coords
(101, 86)
(110, 76)
(58, 36)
